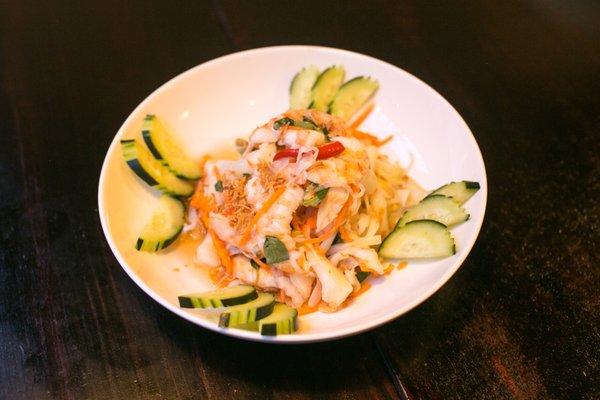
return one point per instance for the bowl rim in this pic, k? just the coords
(301, 337)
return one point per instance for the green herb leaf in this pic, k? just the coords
(326, 133)
(283, 121)
(362, 275)
(313, 195)
(275, 251)
(254, 264)
(219, 186)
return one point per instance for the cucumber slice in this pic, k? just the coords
(436, 207)
(152, 171)
(252, 311)
(326, 87)
(283, 320)
(164, 226)
(352, 96)
(459, 191)
(225, 297)
(300, 88)
(162, 146)
(418, 239)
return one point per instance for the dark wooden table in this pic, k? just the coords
(519, 320)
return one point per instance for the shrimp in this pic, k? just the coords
(276, 221)
(295, 138)
(243, 270)
(263, 134)
(331, 206)
(348, 168)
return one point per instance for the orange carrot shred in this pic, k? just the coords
(360, 119)
(261, 264)
(337, 222)
(305, 309)
(265, 207)
(363, 288)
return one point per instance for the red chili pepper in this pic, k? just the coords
(285, 153)
(330, 150)
(326, 151)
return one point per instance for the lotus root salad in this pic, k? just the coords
(309, 210)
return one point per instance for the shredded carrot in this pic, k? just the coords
(215, 274)
(221, 251)
(345, 234)
(265, 207)
(360, 119)
(200, 201)
(363, 288)
(260, 263)
(202, 162)
(337, 222)
(367, 137)
(305, 309)
(401, 264)
(281, 296)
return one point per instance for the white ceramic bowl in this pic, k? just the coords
(212, 104)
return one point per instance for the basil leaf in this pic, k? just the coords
(326, 133)
(313, 195)
(283, 121)
(275, 251)
(219, 186)
(306, 123)
(362, 275)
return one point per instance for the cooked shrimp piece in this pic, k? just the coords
(243, 270)
(276, 221)
(263, 134)
(220, 225)
(264, 153)
(331, 206)
(294, 138)
(341, 171)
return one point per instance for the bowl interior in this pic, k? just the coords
(212, 104)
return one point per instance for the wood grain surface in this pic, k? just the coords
(520, 320)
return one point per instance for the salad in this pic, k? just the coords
(309, 210)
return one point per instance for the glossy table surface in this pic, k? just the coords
(520, 319)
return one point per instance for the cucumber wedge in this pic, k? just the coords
(225, 297)
(252, 311)
(418, 239)
(164, 226)
(459, 191)
(326, 87)
(162, 146)
(300, 88)
(435, 207)
(352, 96)
(152, 171)
(283, 320)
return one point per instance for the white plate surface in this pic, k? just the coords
(210, 105)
